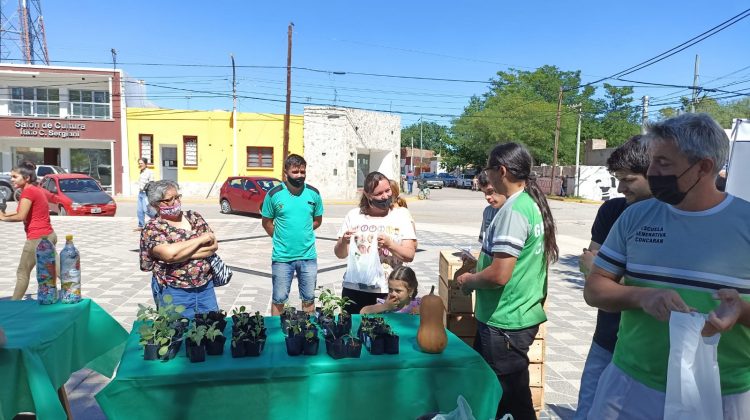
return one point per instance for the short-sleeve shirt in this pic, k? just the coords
(487, 215)
(146, 176)
(183, 275)
(607, 323)
(397, 224)
(411, 308)
(656, 245)
(517, 230)
(293, 234)
(37, 222)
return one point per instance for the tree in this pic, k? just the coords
(434, 136)
(722, 112)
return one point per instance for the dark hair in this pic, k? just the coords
(144, 160)
(482, 179)
(294, 160)
(397, 194)
(631, 156)
(518, 162)
(27, 169)
(371, 181)
(406, 274)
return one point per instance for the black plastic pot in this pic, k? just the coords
(354, 348)
(336, 348)
(238, 349)
(150, 352)
(216, 347)
(391, 344)
(311, 346)
(174, 347)
(295, 345)
(196, 354)
(254, 348)
(376, 346)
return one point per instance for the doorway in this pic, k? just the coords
(169, 163)
(363, 168)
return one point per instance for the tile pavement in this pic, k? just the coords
(112, 278)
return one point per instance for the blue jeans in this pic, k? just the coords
(410, 185)
(282, 274)
(197, 300)
(597, 360)
(143, 209)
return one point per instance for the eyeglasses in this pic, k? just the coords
(170, 201)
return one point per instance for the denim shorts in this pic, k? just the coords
(195, 300)
(282, 274)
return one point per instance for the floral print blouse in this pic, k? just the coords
(183, 275)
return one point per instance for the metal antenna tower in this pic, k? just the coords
(22, 37)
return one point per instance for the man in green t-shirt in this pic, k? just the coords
(291, 212)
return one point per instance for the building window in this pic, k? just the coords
(260, 157)
(92, 104)
(146, 147)
(190, 150)
(34, 102)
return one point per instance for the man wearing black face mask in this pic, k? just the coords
(291, 212)
(685, 250)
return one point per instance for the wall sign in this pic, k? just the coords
(49, 129)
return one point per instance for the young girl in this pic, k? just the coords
(402, 294)
(33, 211)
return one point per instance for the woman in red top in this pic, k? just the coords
(33, 211)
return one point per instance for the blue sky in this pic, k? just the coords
(469, 40)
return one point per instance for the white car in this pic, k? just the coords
(464, 181)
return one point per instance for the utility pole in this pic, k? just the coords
(695, 83)
(421, 151)
(579, 107)
(114, 59)
(234, 118)
(412, 155)
(288, 90)
(557, 140)
(644, 115)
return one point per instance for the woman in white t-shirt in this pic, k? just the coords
(375, 223)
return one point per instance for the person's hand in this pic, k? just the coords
(384, 241)
(659, 303)
(391, 302)
(464, 282)
(347, 236)
(586, 261)
(208, 238)
(724, 316)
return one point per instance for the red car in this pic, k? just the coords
(77, 195)
(245, 193)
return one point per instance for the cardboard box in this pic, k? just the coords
(536, 351)
(463, 325)
(536, 375)
(454, 299)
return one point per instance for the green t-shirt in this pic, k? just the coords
(293, 235)
(516, 230)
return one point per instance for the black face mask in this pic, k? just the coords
(296, 182)
(665, 187)
(382, 204)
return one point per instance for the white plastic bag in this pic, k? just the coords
(462, 412)
(693, 387)
(363, 266)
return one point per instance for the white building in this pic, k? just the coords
(343, 145)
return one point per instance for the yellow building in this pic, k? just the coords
(194, 148)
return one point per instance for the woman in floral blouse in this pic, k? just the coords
(175, 247)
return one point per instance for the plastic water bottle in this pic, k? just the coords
(46, 272)
(70, 272)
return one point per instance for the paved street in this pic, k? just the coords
(451, 217)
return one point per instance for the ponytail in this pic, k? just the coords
(27, 170)
(551, 250)
(518, 162)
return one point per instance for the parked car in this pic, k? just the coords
(448, 179)
(464, 181)
(431, 179)
(6, 187)
(245, 193)
(44, 170)
(77, 195)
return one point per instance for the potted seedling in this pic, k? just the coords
(240, 324)
(287, 313)
(147, 332)
(215, 340)
(335, 346)
(219, 317)
(238, 344)
(312, 342)
(353, 346)
(161, 328)
(258, 320)
(255, 342)
(195, 343)
(375, 339)
(345, 318)
(391, 340)
(295, 340)
(238, 313)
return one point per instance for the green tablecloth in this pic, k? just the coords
(277, 386)
(46, 344)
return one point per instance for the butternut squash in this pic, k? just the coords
(431, 336)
